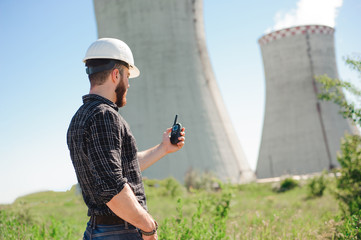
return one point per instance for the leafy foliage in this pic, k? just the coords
(351, 227)
(349, 183)
(333, 90)
(317, 185)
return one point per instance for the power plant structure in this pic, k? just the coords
(301, 134)
(167, 39)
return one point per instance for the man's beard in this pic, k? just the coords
(120, 91)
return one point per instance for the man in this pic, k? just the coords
(103, 151)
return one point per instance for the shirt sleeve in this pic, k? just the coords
(105, 155)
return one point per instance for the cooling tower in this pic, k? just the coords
(301, 134)
(168, 43)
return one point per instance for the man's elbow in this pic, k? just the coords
(123, 193)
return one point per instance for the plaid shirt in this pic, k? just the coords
(104, 154)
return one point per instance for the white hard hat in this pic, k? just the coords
(112, 48)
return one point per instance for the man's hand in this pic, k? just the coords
(168, 146)
(126, 206)
(148, 157)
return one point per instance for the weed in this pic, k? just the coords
(210, 224)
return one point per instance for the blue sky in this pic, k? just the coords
(43, 78)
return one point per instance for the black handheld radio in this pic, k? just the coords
(176, 130)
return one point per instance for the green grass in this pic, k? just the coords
(264, 214)
(255, 212)
(44, 215)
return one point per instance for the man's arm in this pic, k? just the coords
(126, 206)
(104, 153)
(148, 157)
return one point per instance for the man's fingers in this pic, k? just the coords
(180, 144)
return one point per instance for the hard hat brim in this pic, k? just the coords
(133, 71)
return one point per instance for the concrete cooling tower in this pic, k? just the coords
(301, 134)
(168, 43)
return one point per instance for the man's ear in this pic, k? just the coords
(114, 75)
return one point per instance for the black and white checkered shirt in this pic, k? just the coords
(104, 154)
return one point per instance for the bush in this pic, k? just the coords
(171, 187)
(351, 227)
(205, 181)
(166, 187)
(317, 185)
(286, 185)
(349, 183)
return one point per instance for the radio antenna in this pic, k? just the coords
(175, 120)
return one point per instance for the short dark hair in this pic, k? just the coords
(99, 78)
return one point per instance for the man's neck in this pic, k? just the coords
(102, 91)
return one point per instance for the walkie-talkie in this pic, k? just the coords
(176, 130)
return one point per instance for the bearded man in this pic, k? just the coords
(103, 150)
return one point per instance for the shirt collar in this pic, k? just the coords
(95, 97)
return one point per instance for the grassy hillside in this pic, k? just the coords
(252, 211)
(44, 215)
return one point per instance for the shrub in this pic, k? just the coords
(171, 187)
(205, 181)
(351, 227)
(286, 185)
(317, 185)
(349, 183)
(166, 187)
